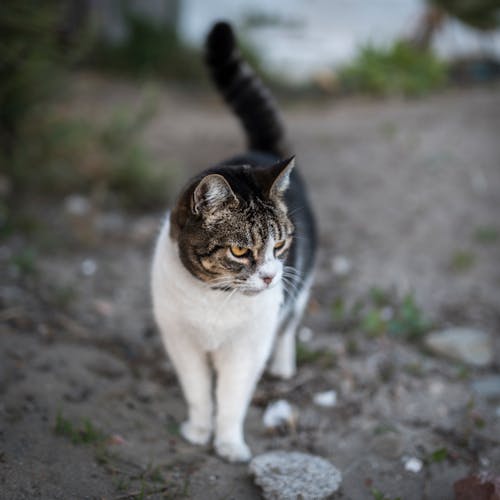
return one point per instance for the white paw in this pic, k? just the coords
(194, 434)
(233, 451)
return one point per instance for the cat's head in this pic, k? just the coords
(232, 226)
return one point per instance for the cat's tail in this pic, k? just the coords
(245, 93)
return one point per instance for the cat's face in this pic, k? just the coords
(233, 229)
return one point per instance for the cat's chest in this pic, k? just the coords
(189, 307)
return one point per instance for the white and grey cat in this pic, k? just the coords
(233, 264)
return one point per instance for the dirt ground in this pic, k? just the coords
(406, 194)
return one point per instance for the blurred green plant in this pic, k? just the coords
(462, 261)
(378, 495)
(29, 64)
(479, 14)
(383, 312)
(322, 357)
(149, 50)
(62, 155)
(84, 433)
(486, 235)
(398, 70)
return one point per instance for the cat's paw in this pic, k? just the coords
(195, 434)
(233, 451)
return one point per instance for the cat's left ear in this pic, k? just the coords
(281, 174)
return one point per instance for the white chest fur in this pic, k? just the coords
(184, 305)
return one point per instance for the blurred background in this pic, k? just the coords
(309, 49)
(393, 108)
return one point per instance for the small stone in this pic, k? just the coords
(413, 464)
(88, 267)
(77, 205)
(488, 387)
(279, 415)
(327, 399)
(116, 439)
(286, 475)
(341, 265)
(464, 344)
(305, 334)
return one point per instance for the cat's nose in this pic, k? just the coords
(268, 278)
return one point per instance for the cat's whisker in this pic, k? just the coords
(294, 275)
(291, 287)
(295, 210)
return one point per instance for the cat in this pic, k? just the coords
(233, 264)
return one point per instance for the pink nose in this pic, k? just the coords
(267, 279)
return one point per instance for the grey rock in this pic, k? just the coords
(293, 475)
(488, 387)
(471, 346)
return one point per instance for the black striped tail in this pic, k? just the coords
(245, 93)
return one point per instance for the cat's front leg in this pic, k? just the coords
(238, 366)
(194, 374)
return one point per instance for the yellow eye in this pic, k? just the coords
(239, 251)
(279, 244)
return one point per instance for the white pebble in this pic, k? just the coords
(413, 464)
(305, 334)
(76, 204)
(88, 267)
(327, 399)
(341, 265)
(278, 413)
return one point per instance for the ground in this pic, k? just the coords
(407, 196)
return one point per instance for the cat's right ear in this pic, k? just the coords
(212, 192)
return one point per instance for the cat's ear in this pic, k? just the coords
(211, 192)
(281, 176)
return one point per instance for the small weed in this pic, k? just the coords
(373, 324)
(121, 484)
(383, 313)
(439, 455)
(461, 261)
(339, 312)
(378, 495)
(408, 321)
(63, 296)
(414, 369)
(486, 235)
(478, 421)
(173, 428)
(322, 357)
(85, 433)
(380, 297)
(384, 428)
(25, 262)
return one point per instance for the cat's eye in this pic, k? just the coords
(279, 244)
(239, 251)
